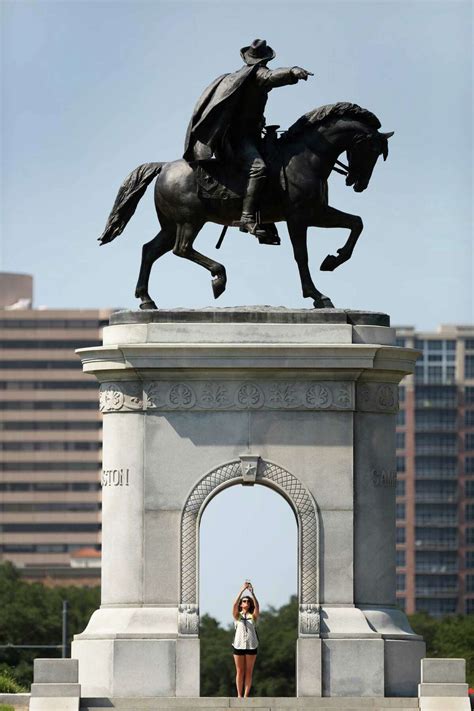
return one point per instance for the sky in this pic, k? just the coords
(92, 89)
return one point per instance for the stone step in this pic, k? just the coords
(258, 704)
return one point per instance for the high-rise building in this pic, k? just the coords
(435, 462)
(50, 438)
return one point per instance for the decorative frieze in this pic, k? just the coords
(226, 395)
(377, 397)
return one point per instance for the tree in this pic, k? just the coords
(31, 613)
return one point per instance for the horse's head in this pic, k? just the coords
(362, 156)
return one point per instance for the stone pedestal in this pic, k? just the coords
(301, 401)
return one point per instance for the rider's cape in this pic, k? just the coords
(214, 110)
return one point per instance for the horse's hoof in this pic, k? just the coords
(323, 302)
(329, 264)
(218, 286)
(148, 305)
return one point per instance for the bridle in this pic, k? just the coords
(345, 168)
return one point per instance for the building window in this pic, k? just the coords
(434, 345)
(400, 440)
(469, 489)
(469, 583)
(400, 538)
(440, 467)
(48, 466)
(51, 323)
(47, 405)
(469, 344)
(469, 536)
(469, 418)
(469, 441)
(49, 384)
(400, 464)
(401, 602)
(401, 393)
(401, 559)
(469, 395)
(49, 527)
(441, 538)
(450, 345)
(49, 486)
(469, 465)
(435, 584)
(469, 606)
(436, 396)
(436, 607)
(469, 561)
(401, 513)
(469, 512)
(42, 344)
(436, 491)
(469, 366)
(59, 425)
(401, 417)
(436, 561)
(400, 342)
(41, 364)
(436, 514)
(436, 442)
(50, 446)
(400, 487)
(401, 581)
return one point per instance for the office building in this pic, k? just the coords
(50, 438)
(435, 462)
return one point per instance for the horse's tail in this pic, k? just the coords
(129, 195)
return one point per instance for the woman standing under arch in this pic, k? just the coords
(245, 612)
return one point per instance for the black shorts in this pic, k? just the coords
(243, 652)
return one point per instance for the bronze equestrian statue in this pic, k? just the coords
(281, 178)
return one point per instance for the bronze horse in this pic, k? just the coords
(301, 162)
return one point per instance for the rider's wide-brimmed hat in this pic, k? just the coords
(258, 51)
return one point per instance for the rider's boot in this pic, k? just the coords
(248, 222)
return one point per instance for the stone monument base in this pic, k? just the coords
(301, 401)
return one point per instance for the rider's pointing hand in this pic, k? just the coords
(300, 73)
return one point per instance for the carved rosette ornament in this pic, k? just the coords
(309, 619)
(228, 395)
(188, 620)
(377, 397)
(115, 397)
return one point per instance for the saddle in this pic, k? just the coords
(223, 180)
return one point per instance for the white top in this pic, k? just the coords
(245, 633)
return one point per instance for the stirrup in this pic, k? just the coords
(266, 233)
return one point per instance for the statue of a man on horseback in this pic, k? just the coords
(282, 179)
(228, 120)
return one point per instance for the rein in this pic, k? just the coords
(345, 170)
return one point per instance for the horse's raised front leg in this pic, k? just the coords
(159, 245)
(298, 235)
(185, 237)
(336, 218)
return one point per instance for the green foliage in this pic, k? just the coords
(451, 636)
(6, 708)
(32, 614)
(8, 683)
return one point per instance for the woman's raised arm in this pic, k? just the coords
(235, 606)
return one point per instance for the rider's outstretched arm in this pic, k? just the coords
(272, 78)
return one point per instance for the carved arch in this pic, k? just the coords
(305, 509)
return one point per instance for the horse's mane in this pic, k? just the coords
(322, 114)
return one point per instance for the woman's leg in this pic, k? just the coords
(249, 665)
(239, 660)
